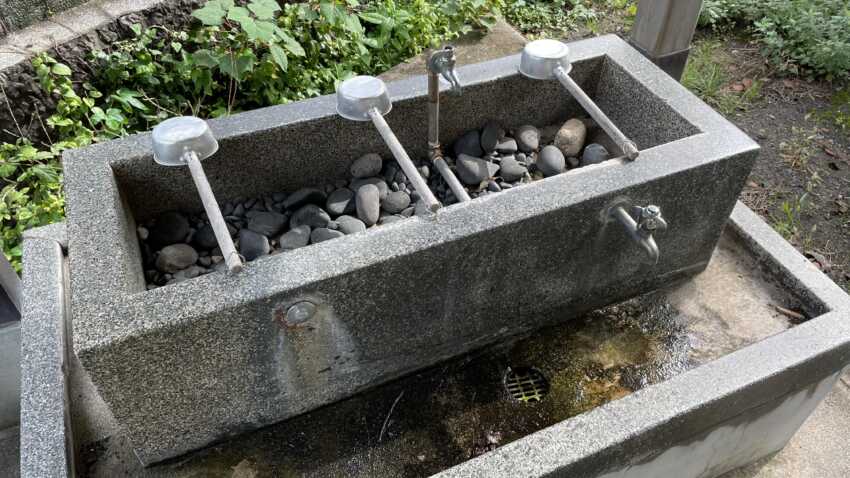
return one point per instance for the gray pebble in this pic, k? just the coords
(490, 136)
(350, 225)
(170, 228)
(267, 223)
(493, 186)
(527, 138)
(176, 257)
(395, 202)
(551, 161)
(469, 144)
(572, 162)
(507, 146)
(295, 238)
(253, 245)
(511, 170)
(424, 171)
(473, 171)
(366, 166)
(305, 196)
(391, 218)
(594, 153)
(408, 211)
(143, 233)
(323, 234)
(368, 204)
(383, 188)
(188, 273)
(341, 202)
(310, 215)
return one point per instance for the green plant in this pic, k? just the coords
(797, 35)
(787, 223)
(239, 57)
(706, 75)
(556, 18)
(839, 111)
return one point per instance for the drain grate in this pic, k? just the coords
(526, 384)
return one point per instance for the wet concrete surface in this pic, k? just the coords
(450, 413)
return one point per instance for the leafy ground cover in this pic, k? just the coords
(237, 56)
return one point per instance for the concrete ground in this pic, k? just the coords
(820, 449)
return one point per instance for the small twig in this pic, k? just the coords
(43, 128)
(12, 113)
(387, 420)
(790, 313)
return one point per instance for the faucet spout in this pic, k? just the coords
(648, 221)
(442, 62)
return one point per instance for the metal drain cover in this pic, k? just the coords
(526, 384)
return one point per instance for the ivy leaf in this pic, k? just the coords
(61, 70)
(352, 24)
(240, 15)
(264, 9)
(210, 14)
(279, 56)
(205, 58)
(290, 43)
(236, 67)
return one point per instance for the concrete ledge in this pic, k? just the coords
(46, 438)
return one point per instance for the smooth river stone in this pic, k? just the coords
(511, 170)
(469, 144)
(267, 223)
(395, 202)
(253, 245)
(473, 171)
(176, 257)
(324, 234)
(551, 161)
(350, 225)
(305, 196)
(170, 228)
(594, 153)
(295, 238)
(368, 204)
(570, 138)
(366, 166)
(527, 138)
(309, 215)
(341, 202)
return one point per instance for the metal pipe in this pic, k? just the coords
(222, 235)
(403, 159)
(436, 152)
(628, 146)
(637, 233)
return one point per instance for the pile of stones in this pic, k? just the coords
(177, 246)
(493, 159)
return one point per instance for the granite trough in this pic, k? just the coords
(192, 363)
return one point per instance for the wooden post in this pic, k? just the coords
(663, 31)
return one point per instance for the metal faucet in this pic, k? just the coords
(442, 62)
(649, 221)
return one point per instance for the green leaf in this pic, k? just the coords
(264, 9)
(236, 67)
(373, 17)
(239, 15)
(352, 24)
(61, 70)
(259, 30)
(290, 43)
(279, 56)
(205, 58)
(210, 14)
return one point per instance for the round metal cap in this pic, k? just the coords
(175, 136)
(356, 96)
(540, 58)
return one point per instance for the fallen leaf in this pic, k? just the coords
(738, 87)
(829, 151)
(819, 260)
(752, 184)
(747, 82)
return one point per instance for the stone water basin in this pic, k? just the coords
(393, 299)
(458, 418)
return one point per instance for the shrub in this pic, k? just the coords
(239, 57)
(799, 36)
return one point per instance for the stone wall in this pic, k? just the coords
(27, 103)
(17, 14)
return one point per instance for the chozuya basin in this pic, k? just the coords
(400, 297)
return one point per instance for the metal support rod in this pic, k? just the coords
(222, 235)
(404, 160)
(434, 139)
(628, 146)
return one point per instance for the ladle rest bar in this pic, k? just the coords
(191, 363)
